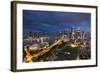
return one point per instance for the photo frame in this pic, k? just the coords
(47, 36)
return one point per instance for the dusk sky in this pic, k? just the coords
(52, 21)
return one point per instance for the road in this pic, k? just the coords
(30, 58)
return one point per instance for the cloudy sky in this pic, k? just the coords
(52, 21)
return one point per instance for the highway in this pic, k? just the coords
(31, 58)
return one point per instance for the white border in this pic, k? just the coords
(35, 65)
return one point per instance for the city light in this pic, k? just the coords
(73, 45)
(38, 44)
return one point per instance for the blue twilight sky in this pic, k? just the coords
(52, 21)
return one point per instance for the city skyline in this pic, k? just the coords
(56, 36)
(52, 21)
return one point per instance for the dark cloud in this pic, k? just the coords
(53, 21)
